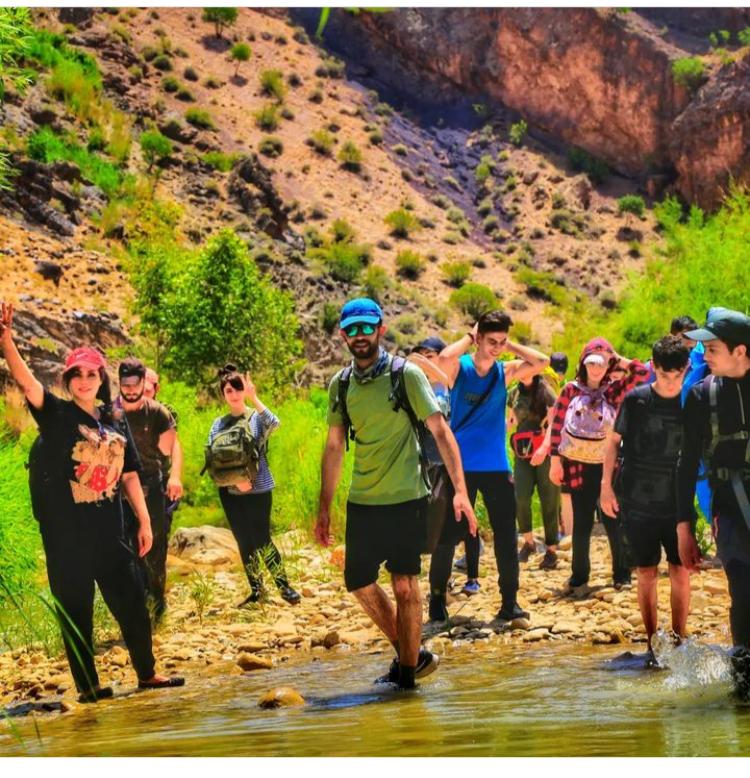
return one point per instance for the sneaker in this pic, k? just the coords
(508, 614)
(254, 597)
(427, 663)
(549, 562)
(471, 587)
(438, 610)
(620, 585)
(288, 594)
(460, 563)
(526, 551)
(94, 695)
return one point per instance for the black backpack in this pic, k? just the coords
(400, 400)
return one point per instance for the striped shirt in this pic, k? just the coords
(261, 425)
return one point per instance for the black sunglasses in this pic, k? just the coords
(357, 329)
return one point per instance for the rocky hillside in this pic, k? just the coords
(411, 112)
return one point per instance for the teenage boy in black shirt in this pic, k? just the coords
(647, 436)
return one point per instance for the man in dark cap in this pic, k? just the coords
(717, 427)
(154, 432)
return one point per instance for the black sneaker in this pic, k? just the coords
(549, 562)
(438, 610)
(427, 663)
(288, 594)
(739, 656)
(254, 597)
(508, 614)
(526, 551)
(94, 695)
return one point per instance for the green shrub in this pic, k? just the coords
(453, 183)
(455, 215)
(163, 63)
(473, 299)
(294, 80)
(342, 231)
(344, 261)
(271, 146)
(688, 72)
(286, 113)
(218, 160)
(584, 162)
(451, 238)
(441, 201)
(400, 150)
(568, 222)
(631, 204)
(239, 53)
(316, 96)
(267, 117)
(200, 118)
(184, 94)
(743, 36)
(544, 286)
(485, 207)
(409, 264)
(149, 53)
(272, 84)
(456, 274)
(190, 74)
(212, 82)
(376, 282)
(402, 223)
(350, 157)
(155, 147)
(518, 132)
(170, 84)
(322, 141)
(375, 137)
(491, 224)
(383, 109)
(330, 318)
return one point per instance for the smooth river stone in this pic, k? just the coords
(281, 697)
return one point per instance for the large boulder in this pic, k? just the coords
(212, 546)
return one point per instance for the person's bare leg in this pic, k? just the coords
(408, 618)
(679, 579)
(566, 513)
(528, 538)
(647, 603)
(377, 605)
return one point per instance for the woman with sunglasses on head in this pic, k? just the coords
(84, 459)
(247, 501)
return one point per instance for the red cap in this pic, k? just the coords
(84, 357)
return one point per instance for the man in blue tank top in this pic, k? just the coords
(479, 384)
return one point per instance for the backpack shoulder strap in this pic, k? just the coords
(713, 405)
(400, 400)
(339, 404)
(487, 392)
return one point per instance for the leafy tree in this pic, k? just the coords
(688, 72)
(220, 18)
(518, 132)
(155, 148)
(743, 36)
(631, 205)
(240, 53)
(222, 308)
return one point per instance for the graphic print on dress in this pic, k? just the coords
(101, 458)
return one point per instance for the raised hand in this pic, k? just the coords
(6, 320)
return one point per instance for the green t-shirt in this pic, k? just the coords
(386, 451)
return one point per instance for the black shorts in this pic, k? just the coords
(394, 534)
(647, 535)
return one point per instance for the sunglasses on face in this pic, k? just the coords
(236, 383)
(359, 329)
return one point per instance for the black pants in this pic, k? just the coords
(738, 577)
(249, 517)
(82, 551)
(585, 502)
(499, 498)
(153, 566)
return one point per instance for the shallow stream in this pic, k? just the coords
(513, 700)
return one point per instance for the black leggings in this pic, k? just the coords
(585, 502)
(499, 498)
(249, 516)
(738, 577)
(82, 551)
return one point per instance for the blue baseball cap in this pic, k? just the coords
(361, 310)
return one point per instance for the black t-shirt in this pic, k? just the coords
(651, 430)
(84, 459)
(147, 424)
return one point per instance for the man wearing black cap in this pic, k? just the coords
(717, 427)
(155, 436)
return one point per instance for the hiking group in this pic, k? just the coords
(630, 443)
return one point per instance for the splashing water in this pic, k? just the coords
(692, 665)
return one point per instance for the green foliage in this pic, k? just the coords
(240, 53)
(201, 593)
(330, 317)
(219, 307)
(375, 137)
(473, 299)
(631, 204)
(272, 84)
(163, 63)
(155, 147)
(456, 274)
(342, 231)
(220, 18)
(542, 285)
(184, 94)
(344, 261)
(7, 171)
(200, 118)
(376, 282)
(16, 36)
(518, 132)
(218, 160)
(350, 157)
(743, 36)
(271, 146)
(170, 84)
(45, 146)
(409, 264)
(567, 221)
(688, 72)
(402, 223)
(322, 141)
(491, 223)
(584, 162)
(190, 74)
(267, 117)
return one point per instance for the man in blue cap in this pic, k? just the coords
(386, 513)
(717, 428)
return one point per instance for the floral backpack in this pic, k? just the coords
(588, 421)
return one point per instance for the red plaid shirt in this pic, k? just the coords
(614, 393)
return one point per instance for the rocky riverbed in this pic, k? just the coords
(204, 632)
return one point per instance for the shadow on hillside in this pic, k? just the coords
(212, 43)
(238, 80)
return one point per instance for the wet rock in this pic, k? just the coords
(251, 647)
(534, 635)
(331, 639)
(520, 624)
(250, 662)
(118, 657)
(561, 627)
(281, 697)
